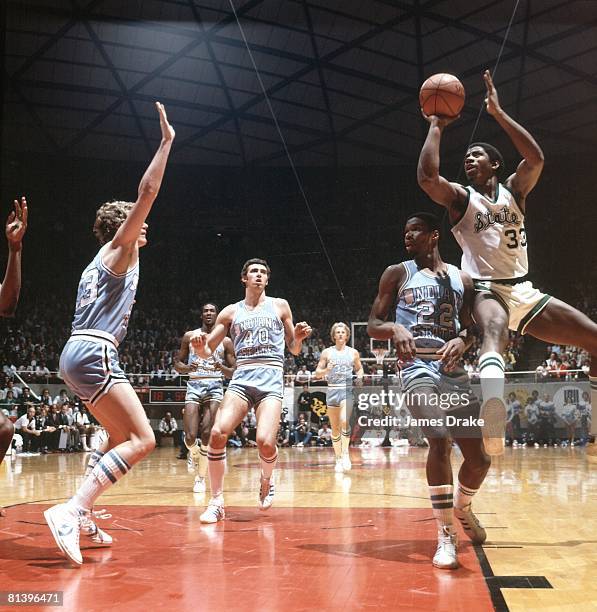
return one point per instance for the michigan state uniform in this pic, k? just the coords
(493, 240)
(258, 338)
(340, 376)
(89, 361)
(206, 383)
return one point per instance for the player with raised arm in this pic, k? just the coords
(89, 361)
(205, 390)
(259, 326)
(432, 329)
(488, 222)
(337, 364)
(10, 289)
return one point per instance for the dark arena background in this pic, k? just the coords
(298, 131)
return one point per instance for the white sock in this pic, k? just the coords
(464, 496)
(337, 444)
(268, 464)
(94, 459)
(345, 440)
(110, 468)
(202, 463)
(491, 373)
(216, 458)
(443, 505)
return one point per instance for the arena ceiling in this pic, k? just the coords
(342, 76)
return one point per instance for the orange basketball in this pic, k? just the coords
(442, 94)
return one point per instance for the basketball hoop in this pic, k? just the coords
(380, 354)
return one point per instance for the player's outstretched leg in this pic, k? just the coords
(334, 414)
(122, 414)
(493, 319)
(470, 477)
(560, 323)
(6, 433)
(268, 419)
(232, 411)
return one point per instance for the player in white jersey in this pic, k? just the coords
(204, 393)
(431, 331)
(488, 223)
(259, 326)
(89, 360)
(10, 289)
(338, 363)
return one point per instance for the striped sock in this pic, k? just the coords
(109, 469)
(216, 460)
(337, 444)
(202, 463)
(345, 440)
(442, 503)
(464, 496)
(94, 459)
(491, 373)
(268, 464)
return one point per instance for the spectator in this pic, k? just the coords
(303, 376)
(167, 428)
(69, 434)
(61, 398)
(27, 427)
(302, 431)
(324, 435)
(304, 400)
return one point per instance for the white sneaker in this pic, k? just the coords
(300, 445)
(64, 522)
(493, 413)
(266, 493)
(199, 486)
(346, 464)
(471, 525)
(446, 556)
(339, 469)
(91, 530)
(214, 512)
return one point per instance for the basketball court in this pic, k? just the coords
(356, 541)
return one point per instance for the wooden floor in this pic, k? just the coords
(353, 542)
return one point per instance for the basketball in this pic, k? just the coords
(442, 94)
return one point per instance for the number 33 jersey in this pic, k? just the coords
(492, 237)
(105, 299)
(428, 306)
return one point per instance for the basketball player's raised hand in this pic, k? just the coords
(492, 102)
(198, 341)
(404, 342)
(451, 353)
(302, 330)
(168, 132)
(16, 224)
(440, 120)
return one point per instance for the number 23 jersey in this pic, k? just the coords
(492, 236)
(105, 299)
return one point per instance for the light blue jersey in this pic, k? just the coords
(428, 307)
(342, 363)
(105, 299)
(258, 336)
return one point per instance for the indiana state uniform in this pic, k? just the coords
(493, 240)
(89, 361)
(428, 307)
(340, 376)
(258, 338)
(206, 383)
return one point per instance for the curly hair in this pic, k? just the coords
(108, 218)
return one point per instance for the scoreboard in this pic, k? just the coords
(162, 395)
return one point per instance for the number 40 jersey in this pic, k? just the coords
(428, 306)
(105, 299)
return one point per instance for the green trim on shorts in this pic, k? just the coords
(495, 296)
(531, 314)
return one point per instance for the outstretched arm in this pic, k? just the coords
(378, 327)
(127, 235)
(11, 286)
(450, 195)
(529, 169)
